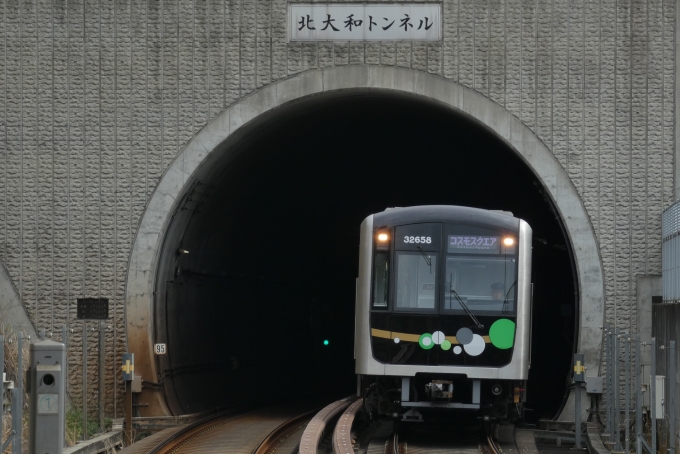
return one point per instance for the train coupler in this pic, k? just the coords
(412, 415)
(439, 390)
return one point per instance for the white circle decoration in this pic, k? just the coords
(427, 341)
(438, 337)
(476, 347)
(457, 349)
(397, 340)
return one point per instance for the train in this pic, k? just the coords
(443, 313)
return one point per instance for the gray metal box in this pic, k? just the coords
(594, 385)
(136, 385)
(660, 396)
(47, 395)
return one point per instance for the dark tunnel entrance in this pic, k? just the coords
(259, 263)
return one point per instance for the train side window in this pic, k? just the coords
(416, 280)
(381, 279)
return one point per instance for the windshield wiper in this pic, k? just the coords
(464, 306)
(505, 309)
(428, 260)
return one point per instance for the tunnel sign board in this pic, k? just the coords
(128, 366)
(364, 22)
(93, 308)
(159, 349)
(579, 368)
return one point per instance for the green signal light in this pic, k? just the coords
(325, 342)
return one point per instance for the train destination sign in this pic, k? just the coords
(93, 308)
(364, 22)
(472, 244)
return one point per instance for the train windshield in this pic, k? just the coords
(485, 284)
(416, 280)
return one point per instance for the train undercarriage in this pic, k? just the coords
(411, 398)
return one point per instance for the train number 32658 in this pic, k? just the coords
(418, 239)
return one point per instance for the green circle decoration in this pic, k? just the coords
(502, 333)
(426, 341)
(446, 345)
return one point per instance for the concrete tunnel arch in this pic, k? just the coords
(201, 150)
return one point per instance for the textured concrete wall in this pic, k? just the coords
(12, 312)
(100, 95)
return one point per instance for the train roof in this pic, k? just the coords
(445, 213)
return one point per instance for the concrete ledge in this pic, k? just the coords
(152, 423)
(559, 435)
(549, 424)
(101, 443)
(12, 311)
(593, 440)
(525, 441)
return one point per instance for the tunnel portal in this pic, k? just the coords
(256, 278)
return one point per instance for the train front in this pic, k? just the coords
(443, 312)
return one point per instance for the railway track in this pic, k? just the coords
(383, 439)
(264, 431)
(335, 429)
(440, 441)
(493, 445)
(283, 439)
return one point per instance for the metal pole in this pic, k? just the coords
(2, 393)
(638, 397)
(605, 372)
(617, 402)
(609, 381)
(617, 389)
(671, 391)
(18, 399)
(101, 374)
(610, 370)
(652, 396)
(605, 395)
(626, 387)
(17, 404)
(20, 361)
(128, 413)
(84, 381)
(577, 414)
(64, 340)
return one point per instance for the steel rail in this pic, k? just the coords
(271, 441)
(282, 432)
(342, 435)
(314, 431)
(491, 443)
(193, 430)
(392, 446)
(505, 440)
(470, 442)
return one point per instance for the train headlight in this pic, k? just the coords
(508, 241)
(382, 240)
(496, 389)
